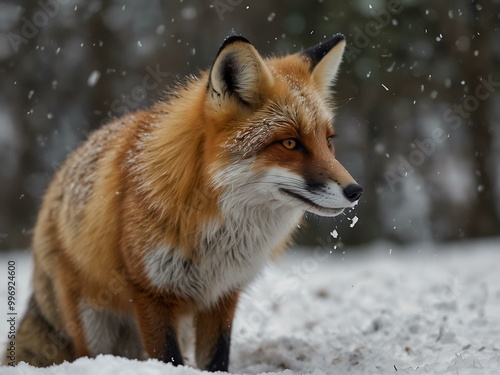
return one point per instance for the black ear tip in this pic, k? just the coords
(231, 39)
(338, 37)
(316, 53)
(332, 42)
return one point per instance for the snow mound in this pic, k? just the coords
(377, 310)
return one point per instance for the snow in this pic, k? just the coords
(93, 78)
(354, 221)
(381, 309)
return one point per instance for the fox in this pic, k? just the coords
(166, 215)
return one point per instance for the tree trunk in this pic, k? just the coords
(484, 219)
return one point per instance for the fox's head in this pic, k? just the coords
(270, 129)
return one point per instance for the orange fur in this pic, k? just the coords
(148, 186)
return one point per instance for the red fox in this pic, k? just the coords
(168, 214)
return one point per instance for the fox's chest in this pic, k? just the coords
(229, 256)
(207, 278)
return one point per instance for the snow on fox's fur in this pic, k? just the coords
(168, 213)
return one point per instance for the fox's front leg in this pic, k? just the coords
(213, 333)
(157, 317)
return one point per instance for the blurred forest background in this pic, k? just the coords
(418, 99)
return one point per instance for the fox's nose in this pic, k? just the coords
(353, 192)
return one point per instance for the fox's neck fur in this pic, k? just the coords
(177, 174)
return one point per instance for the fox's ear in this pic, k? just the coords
(325, 60)
(239, 71)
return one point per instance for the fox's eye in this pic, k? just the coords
(291, 144)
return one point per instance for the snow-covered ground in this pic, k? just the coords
(378, 310)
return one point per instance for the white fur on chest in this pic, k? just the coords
(229, 256)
